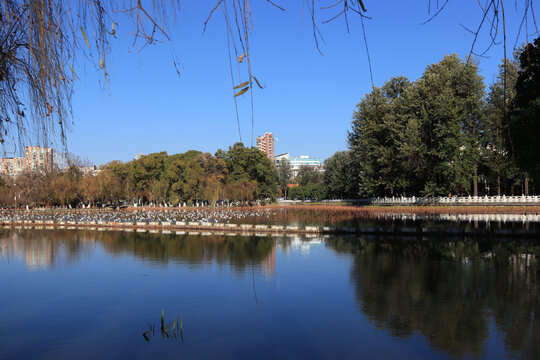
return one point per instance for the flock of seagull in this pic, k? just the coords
(219, 215)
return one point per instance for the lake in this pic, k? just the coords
(91, 294)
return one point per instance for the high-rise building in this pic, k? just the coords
(37, 158)
(266, 145)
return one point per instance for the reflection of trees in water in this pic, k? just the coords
(448, 290)
(43, 248)
(54, 247)
(239, 251)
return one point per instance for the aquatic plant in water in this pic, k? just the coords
(174, 332)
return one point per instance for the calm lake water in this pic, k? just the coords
(94, 294)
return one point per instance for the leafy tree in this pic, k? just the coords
(308, 175)
(498, 157)
(376, 137)
(524, 126)
(250, 166)
(159, 190)
(449, 105)
(310, 191)
(111, 187)
(284, 174)
(339, 176)
(192, 180)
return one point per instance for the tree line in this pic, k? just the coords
(445, 133)
(239, 174)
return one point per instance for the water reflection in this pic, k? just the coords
(51, 248)
(450, 292)
(44, 249)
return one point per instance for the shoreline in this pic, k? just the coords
(415, 209)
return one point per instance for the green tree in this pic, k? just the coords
(250, 166)
(497, 155)
(524, 125)
(339, 176)
(284, 174)
(308, 175)
(192, 176)
(449, 103)
(375, 139)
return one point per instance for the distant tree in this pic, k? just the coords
(159, 190)
(89, 189)
(310, 191)
(308, 175)
(192, 176)
(64, 190)
(339, 176)
(284, 174)
(143, 171)
(250, 166)
(174, 168)
(32, 188)
(110, 184)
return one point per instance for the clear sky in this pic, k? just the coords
(308, 100)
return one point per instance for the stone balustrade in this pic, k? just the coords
(457, 200)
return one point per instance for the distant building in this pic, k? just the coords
(137, 156)
(12, 167)
(36, 158)
(266, 145)
(92, 170)
(298, 162)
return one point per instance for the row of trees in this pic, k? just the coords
(445, 134)
(239, 174)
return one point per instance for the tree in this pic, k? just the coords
(339, 176)
(64, 190)
(376, 136)
(250, 166)
(284, 174)
(524, 126)
(449, 103)
(192, 180)
(308, 175)
(496, 142)
(423, 137)
(32, 188)
(89, 189)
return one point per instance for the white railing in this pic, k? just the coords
(468, 200)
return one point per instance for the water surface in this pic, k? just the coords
(93, 294)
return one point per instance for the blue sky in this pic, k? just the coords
(308, 99)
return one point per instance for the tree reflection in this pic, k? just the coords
(44, 249)
(449, 291)
(47, 248)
